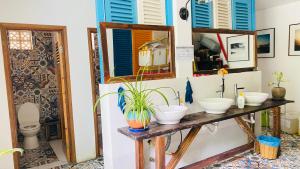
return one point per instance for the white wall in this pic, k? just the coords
(183, 38)
(119, 149)
(280, 18)
(77, 15)
(5, 134)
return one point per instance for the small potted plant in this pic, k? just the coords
(278, 92)
(138, 106)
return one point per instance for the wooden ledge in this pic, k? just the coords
(197, 120)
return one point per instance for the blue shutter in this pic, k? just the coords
(202, 14)
(122, 41)
(169, 12)
(253, 16)
(241, 14)
(121, 11)
(100, 18)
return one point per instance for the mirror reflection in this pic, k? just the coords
(213, 51)
(131, 50)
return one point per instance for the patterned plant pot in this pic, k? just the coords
(136, 125)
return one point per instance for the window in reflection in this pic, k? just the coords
(134, 50)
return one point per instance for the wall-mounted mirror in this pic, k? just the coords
(215, 49)
(128, 48)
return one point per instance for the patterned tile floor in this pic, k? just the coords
(289, 159)
(92, 164)
(37, 157)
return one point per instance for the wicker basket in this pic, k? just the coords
(268, 152)
(269, 146)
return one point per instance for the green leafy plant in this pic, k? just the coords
(279, 78)
(138, 101)
(11, 151)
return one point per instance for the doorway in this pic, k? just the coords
(95, 77)
(38, 86)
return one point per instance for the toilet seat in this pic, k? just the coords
(30, 127)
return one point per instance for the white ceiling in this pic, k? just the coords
(264, 4)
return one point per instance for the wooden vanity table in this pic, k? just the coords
(194, 122)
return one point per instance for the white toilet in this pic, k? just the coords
(28, 117)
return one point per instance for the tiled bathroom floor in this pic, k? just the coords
(48, 156)
(290, 158)
(92, 164)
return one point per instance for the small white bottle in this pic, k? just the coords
(241, 101)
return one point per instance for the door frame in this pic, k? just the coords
(91, 55)
(4, 27)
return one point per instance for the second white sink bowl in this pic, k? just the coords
(255, 98)
(216, 105)
(170, 114)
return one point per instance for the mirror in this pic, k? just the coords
(128, 48)
(215, 49)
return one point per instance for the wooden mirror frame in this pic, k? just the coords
(228, 31)
(109, 25)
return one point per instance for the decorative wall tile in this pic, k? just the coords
(33, 73)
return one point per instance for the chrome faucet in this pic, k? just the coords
(236, 92)
(222, 88)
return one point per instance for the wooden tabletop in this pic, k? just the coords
(199, 119)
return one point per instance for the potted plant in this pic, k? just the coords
(278, 92)
(138, 106)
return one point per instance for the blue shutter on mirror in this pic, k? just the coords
(121, 11)
(242, 14)
(100, 17)
(122, 41)
(202, 15)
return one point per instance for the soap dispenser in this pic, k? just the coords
(241, 100)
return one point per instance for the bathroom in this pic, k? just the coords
(34, 59)
(91, 130)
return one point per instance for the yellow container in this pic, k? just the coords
(268, 146)
(268, 152)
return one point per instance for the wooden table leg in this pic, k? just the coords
(188, 140)
(139, 154)
(276, 122)
(160, 152)
(243, 125)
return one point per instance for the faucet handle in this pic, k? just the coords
(238, 88)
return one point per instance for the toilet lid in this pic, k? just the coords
(28, 113)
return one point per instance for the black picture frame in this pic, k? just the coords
(248, 42)
(290, 38)
(272, 45)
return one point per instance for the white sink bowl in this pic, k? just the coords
(255, 98)
(216, 105)
(170, 114)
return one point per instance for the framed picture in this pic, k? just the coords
(238, 48)
(266, 43)
(294, 40)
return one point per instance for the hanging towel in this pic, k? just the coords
(121, 99)
(188, 93)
